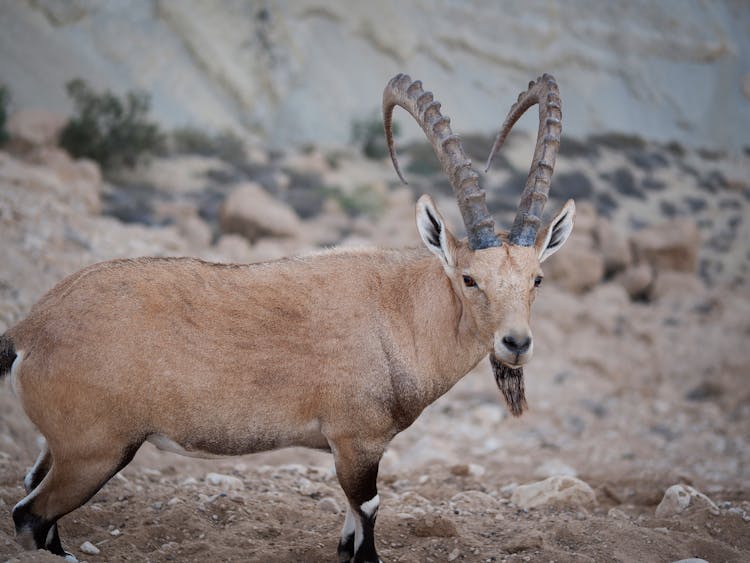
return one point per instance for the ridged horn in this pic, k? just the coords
(402, 92)
(544, 92)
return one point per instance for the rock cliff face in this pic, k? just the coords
(302, 71)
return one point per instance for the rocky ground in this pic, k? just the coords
(639, 382)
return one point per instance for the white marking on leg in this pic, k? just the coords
(348, 527)
(358, 532)
(371, 506)
(15, 366)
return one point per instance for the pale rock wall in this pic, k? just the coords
(300, 71)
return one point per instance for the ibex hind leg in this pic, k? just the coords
(70, 481)
(39, 470)
(35, 475)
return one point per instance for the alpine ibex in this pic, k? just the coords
(338, 351)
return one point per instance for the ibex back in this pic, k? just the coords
(337, 351)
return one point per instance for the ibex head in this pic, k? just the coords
(495, 276)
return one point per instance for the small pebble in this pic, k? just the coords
(454, 555)
(89, 548)
(116, 532)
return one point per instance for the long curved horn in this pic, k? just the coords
(529, 217)
(401, 91)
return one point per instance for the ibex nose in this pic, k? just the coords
(516, 344)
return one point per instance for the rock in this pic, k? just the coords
(675, 285)
(30, 129)
(434, 526)
(195, 231)
(81, 180)
(552, 467)
(329, 504)
(586, 220)
(617, 514)
(679, 498)
(178, 174)
(578, 266)
(228, 482)
(636, 280)
(234, 248)
(453, 555)
(473, 501)
(89, 548)
(561, 491)
(672, 245)
(524, 542)
(615, 249)
(476, 470)
(460, 470)
(691, 560)
(253, 213)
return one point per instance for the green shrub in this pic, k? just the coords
(368, 133)
(4, 103)
(364, 200)
(225, 145)
(112, 131)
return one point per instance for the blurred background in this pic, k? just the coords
(248, 131)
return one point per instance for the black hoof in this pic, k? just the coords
(345, 550)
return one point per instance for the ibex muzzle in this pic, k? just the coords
(378, 334)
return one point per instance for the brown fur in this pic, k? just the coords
(340, 350)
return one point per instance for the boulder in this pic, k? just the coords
(29, 129)
(675, 285)
(636, 280)
(189, 224)
(559, 491)
(233, 248)
(615, 249)
(679, 498)
(81, 179)
(586, 220)
(253, 213)
(672, 245)
(578, 266)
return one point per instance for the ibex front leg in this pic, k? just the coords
(357, 471)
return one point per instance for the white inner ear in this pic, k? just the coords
(433, 232)
(559, 231)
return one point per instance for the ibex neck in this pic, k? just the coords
(442, 345)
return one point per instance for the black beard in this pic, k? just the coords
(510, 382)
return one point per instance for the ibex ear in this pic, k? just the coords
(551, 239)
(434, 233)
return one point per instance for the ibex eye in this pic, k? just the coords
(538, 281)
(469, 281)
